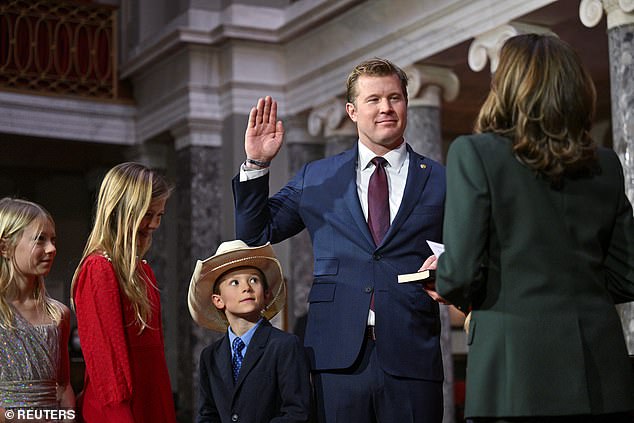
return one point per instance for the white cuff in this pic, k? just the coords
(246, 173)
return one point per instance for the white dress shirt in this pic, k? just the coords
(396, 170)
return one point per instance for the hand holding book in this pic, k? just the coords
(427, 273)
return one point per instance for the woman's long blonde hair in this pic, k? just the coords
(543, 99)
(15, 216)
(124, 198)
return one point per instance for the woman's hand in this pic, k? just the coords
(430, 284)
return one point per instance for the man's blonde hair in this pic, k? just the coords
(373, 67)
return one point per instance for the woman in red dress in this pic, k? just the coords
(118, 307)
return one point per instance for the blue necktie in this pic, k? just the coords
(236, 362)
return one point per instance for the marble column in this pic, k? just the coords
(302, 148)
(427, 87)
(425, 119)
(620, 22)
(199, 200)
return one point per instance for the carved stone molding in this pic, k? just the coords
(67, 118)
(619, 12)
(488, 45)
(590, 12)
(196, 132)
(427, 83)
(331, 118)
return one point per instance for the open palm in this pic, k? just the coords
(264, 134)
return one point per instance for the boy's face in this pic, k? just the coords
(242, 294)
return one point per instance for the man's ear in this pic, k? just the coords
(352, 111)
(217, 301)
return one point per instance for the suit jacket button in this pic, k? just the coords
(376, 256)
(234, 417)
(368, 289)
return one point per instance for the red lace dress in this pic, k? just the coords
(126, 374)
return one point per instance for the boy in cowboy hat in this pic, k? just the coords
(256, 372)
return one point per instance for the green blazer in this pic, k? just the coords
(542, 269)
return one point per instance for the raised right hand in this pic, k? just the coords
(264, 134)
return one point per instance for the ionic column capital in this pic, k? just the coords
(488, 45)
(426, 85)
(331, 118)
(619, 12)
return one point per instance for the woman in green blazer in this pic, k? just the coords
(539, 244)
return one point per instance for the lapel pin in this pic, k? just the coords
(423, 166)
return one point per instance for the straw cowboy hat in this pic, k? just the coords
(230, 255)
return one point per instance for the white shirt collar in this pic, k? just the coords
(395, 158)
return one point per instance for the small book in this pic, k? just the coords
(417, 277)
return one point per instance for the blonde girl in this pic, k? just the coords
(34, 328)
(117, 302)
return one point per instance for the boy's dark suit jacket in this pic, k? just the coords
(545, 338)
(273, 385)
(349, 268)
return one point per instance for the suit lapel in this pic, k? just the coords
(224, 361)
(351, 195)
(254, 351)
(417, 175)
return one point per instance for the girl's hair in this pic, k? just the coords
(15, 216)
(543, 99)
(124, 198)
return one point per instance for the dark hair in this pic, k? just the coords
(543, 99)
(374, 67)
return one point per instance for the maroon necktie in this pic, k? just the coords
(378, 201)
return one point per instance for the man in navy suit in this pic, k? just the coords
(373, 343)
